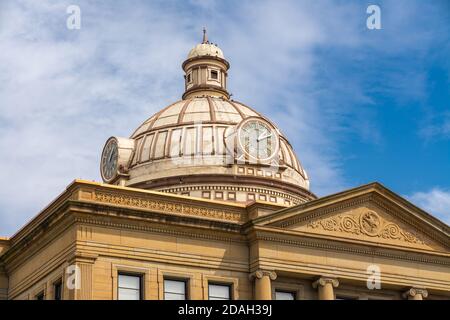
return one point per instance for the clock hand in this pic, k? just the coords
(263, 137)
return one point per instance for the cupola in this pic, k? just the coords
(205, 71)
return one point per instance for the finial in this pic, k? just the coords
(205, 36)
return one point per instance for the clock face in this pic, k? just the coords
(258, 139)
(110, 158)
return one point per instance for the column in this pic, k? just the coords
(325, 287)
(263, 284)
(416, 294)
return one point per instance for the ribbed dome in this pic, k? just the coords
(209, 113)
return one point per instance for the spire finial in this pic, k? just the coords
(205, 36)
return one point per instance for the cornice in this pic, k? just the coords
(231, 234)
(346, 245)
(38, 239)
(41, 219)
(204, 87)
(155, 256)
(199, 58)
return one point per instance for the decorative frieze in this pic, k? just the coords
(296, 219)
(367, 223)
(284, 195)
(167, 206)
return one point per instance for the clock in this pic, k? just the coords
(115, 157)
(257, 139)
(110, 157)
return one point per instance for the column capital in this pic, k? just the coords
(82, 257)
(258, 274)
(414, 292)
(322, 281)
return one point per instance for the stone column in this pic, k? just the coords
(263, 284)
(416, 294)
(325, 287)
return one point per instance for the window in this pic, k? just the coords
(189, 78)
(219, 291)
(174, 289)
(40, 296)
(206, 194)
(231, 196)
(284, 295)
(57, 290)
(129, 287)
(214, 75)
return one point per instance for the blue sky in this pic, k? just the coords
(358, 105)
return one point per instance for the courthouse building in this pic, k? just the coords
(208, 200)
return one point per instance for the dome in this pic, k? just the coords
(185, 143)
(208, 145)
(206, 114)
(206, 49)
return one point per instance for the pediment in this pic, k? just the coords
(370, 217)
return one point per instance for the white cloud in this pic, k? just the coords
(435, 201)
(436, 126)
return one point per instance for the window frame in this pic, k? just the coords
(216, 72)
(223, 284)
(58, 282)
(131, 274)
(217, 279)
(297, 288)
(176, 279)
(292, 292)
(133, 270)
